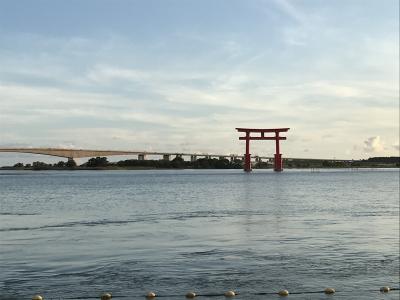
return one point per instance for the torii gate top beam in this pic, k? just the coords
(262, 130)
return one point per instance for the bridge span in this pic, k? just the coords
(141, 155)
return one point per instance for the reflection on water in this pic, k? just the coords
(81, 233)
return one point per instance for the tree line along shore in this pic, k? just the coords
(102, 163)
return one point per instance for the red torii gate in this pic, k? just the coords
(278, 166)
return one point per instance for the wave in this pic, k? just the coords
(70, 224)
(142, 218)
(17, 214)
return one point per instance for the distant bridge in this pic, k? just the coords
(141, 155)
(79, 153)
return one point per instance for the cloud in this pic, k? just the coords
(290, 10)
(373, 145)
(108, 74)
(327, 136)
(66, 145)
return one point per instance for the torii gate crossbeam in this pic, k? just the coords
(278, 166)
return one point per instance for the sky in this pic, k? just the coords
(180, 76)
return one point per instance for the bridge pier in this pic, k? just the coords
(166, 157)
(141, 156)
(193, 158)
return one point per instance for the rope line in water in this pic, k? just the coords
(228, 294)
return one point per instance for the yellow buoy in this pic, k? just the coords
(385, 289)
(329, 290)
(230, 294)
(37, 297)
(106, 296)
(151, 295)
(283, 293)
(190, 295)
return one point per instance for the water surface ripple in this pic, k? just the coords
(77, 234)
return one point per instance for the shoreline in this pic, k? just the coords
(152, 168)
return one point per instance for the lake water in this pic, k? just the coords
(70, 235)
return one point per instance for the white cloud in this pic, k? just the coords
(107, 74)
(289, 9)
(373, 145)
(66, 145)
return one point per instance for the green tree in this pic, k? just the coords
(222, 163)
(60, 164)
(38, 165)
(178, 163)
(97, 162)
(71, 164)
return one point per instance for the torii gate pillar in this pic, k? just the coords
(278, 166)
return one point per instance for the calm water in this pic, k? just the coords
(77, 234)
